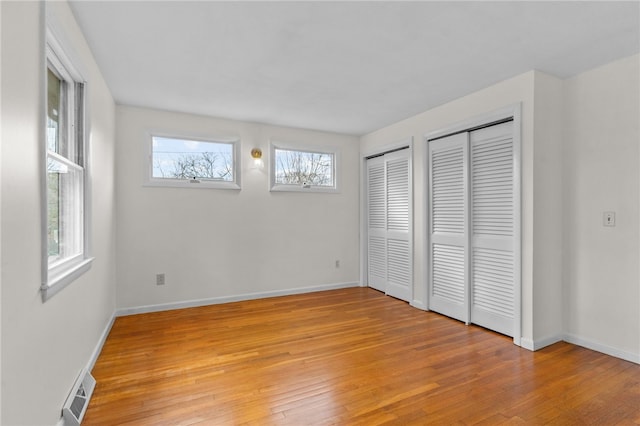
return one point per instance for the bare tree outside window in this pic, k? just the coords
(188, 159)
(303, 168)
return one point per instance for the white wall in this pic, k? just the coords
(45, 345)
(512, 91)
(219, 243)
(548, 210)
(601, 274)
(0, 216)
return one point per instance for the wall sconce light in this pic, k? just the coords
(256, 154)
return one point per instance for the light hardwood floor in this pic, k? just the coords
(345, 357)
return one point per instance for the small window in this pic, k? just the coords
(66, 233)
(311, 170)
(193, 162)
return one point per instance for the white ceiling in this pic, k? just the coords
(346, 67)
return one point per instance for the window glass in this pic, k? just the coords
(65, 174)
(53, 210)
(304, 168)
(64, 210)
(189, 159)
(54, 111)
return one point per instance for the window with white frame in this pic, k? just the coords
(65, 215)
(295, 168)
(185, 161)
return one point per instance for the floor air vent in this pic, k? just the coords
(76, 404)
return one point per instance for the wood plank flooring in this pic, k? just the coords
(345, 357)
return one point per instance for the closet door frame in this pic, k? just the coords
(509, 112)
(405, 143)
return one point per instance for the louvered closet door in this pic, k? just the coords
(492, 227)
(377, 223)
(389, 224)
(448, 226)
(399, 254)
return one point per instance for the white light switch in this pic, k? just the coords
(609, 219)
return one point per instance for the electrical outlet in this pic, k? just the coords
(159, 279)
(609, 218)
(337, 263)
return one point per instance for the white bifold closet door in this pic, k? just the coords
(449, 226)
(389, 224)
(472, 227)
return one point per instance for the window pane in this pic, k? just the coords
(303, 168)
(53, 212)
(54, 111)
(189, 159)
(64, 210)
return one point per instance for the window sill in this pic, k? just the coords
(202, 184)
(300, 188)
(64, 278)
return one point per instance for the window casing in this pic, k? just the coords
(65, 231)
(303, 169)
(177, 161)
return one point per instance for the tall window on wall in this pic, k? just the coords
(65, 215)
(297, 168)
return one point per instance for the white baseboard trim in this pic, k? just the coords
(96, 353)
(103, 338)
(419, 305)
(534, 345)
(605, 349)
(227, 299)
(526, 343)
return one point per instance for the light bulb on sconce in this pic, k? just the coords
(256, 154)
